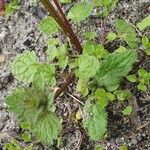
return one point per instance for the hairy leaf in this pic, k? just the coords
(144, 23)
(127, 33)
(44, 76)
(33, 106)
(47, 127)
(80, 11)
(25, 66)
(48, 25)
(94, 120)
(114, 67)
(88, 66)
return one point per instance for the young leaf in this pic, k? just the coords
(132, 78)
(123, 94)
(111, 36)
(101, 96)
(11, 7)
(48, 25)
(142, 87)
(114, 67)
(26, 136)
(80, 11)
(82, 87)
(128, 110)
(25, 66)
(123, 147)
(90, 35)
(144, 23)
(88, 66)
(142, 72)
(127, 33)
(146, 42)
(94, 120)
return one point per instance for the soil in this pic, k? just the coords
(19, 32)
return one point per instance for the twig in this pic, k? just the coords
(75, 98)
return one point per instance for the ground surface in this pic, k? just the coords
(19, 32)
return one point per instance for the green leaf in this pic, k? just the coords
(62, 56)
(123, 94)
(114, 68)
(142, 72)
(88, 66)
(82, 87)
(47, 128)
(142, 87)
(15, 102)
(111, 36)
(25, 125)
(99, 148)
(123, 147)
(44, 76)
(101, 96)
(11, 7)
(110, 96)
(34, 107)
(80, 11)
(65, 1)
(90, 35)
(132, 78)
(48, 25)
(94, 49)
(144, 23)
(107, 5)
(148, 52)
(94, 120)
(128, 110)
(146, 42)
(24, 66)
(26, 136)
(127, 33)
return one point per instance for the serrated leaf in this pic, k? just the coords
(144, 23)
(142, 87)
(114, 67)
(127, 33)
(128, 110)
(88, 66)
(48, 25)
(62, 56)
(24, 66)
(47, 128)
(94, 120)
(15, 101)
(82, 87)
(123, 94)
(101, 96)
(111, 36)
(80, 11)
(44, 76)
(142, 72)
(34, 107)
(90, 35)
(26, 137)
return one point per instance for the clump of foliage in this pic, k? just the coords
(99, 72)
